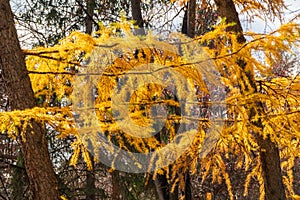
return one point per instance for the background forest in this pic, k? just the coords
(253, 154)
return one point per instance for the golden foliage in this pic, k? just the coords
(52, 72)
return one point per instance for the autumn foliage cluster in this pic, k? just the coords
(251, 103)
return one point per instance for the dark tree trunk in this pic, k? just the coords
(137, 16)
(162, 184)
(117, 188)
(90, 6)
(162, 187)
(188, 28)
(18, 88)
(191, 28)
(19, 180)
(90, 176)
(191, 19)
(188, 187)
(91, 182)
(269, 152)
(184, 28)
(226, 8)
(270, 161)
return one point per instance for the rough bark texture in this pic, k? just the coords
(269, 152)
(226, 8)
(18, 88)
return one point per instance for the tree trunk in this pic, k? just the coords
(90, 6)
(20, 94)
(184, 28)
(191, 18)
(270, 161)
(162, 187)
(117, 193)
(188, 28)
(162, 184)
(19, 180)
(137, 16)
(269, 152)
(188, 187)
(91, 182)
(226, 8)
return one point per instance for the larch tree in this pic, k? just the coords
(260, 119)
(268, 149)
(17, 86)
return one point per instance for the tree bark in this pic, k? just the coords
(269, 152)
(91, 181)
(136, 11)
(117, 193)
(188, 28)
(188, 187)
(19, 179)
(191, 20)
(226, 8)
(162, 187)
(184, 28)
(90, 4)
(37, 161)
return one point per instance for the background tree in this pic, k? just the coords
(20, 94)
(268, 149)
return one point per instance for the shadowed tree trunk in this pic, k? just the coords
(189, 19)
(90, 190)
(184, 23)
(188, 28)
(19, 179)
(90, 4)
(269, 152)
(20, 94)
(187, 192)
(118, 190)
(191, 26)
(163, 186)
(137, 16)
(91, 182)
